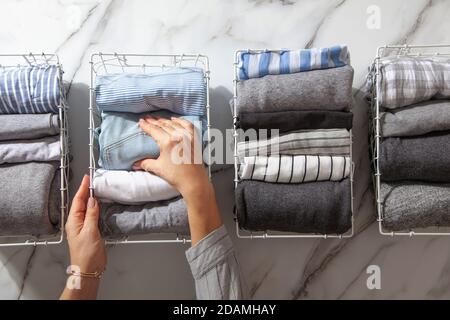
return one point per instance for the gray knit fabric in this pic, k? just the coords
(316, 207)
(329, 89)
(25, 199)
(44, 149)
(54, 203)
(431, 205)
(154, 217)
(425, 158)
(28, 126)
(286, 121)
(416, 119)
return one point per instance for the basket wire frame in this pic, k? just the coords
(104, 63)
(33, 59)
(433, 50)
(244, 234)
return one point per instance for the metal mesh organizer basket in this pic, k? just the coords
(244, 234)
(104, 63)
(31, 59)
(375, 130)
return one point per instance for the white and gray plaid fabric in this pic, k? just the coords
(407, 80)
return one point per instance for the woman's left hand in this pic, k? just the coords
(86, 246)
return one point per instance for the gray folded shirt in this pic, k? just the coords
(424, 158)
(28, 126)
(329, 89)
(300, 142)
(416, 119)
(44, 149)
(170, 216)
(316, 207)
(28, 199)
(411, 205)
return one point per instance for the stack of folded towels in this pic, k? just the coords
(137, 202)
(415, 148)
(30, 150)
(297, 181)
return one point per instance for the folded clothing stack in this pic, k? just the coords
(30, 150)
(136, 202)
(298, 181)
(415, 148)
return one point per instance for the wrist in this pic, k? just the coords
(196, 194)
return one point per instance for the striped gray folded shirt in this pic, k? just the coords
(408, 80)
(181, 90)
(33, 89)
(301, 142)
(260, 64)
(295, 169)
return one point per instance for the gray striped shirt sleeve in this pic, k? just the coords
(215, 268)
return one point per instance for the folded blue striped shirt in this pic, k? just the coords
(180, 90)
(257, 65)
(34, 89)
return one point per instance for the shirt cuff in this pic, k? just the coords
(209, 252)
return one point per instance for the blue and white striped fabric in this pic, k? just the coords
(257, 65)
(30, 90)
(180, 90)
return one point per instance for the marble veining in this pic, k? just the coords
(279, 269)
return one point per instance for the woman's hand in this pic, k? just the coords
(87, 249)
(181, 164)
(181, 160)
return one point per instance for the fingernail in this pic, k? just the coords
(91, 202)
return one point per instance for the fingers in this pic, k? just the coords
(150, 165)
(80, 199)
(167, 126)
(184, 123)
(149, 125)
(76, 216)
(92, 214)
(176, 125)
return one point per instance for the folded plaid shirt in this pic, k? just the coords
(408, 80)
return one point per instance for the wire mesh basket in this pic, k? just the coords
(375, 79)
(8, 61)
(111, 63)
(245, 234)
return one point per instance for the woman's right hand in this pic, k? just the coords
(180, 163)
(181, 159)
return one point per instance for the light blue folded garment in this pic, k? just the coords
(30, 90)
(257, 65)
(180, 90)
(122, 142)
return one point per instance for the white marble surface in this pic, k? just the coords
(280, 269)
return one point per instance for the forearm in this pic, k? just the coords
(204, 216)
(80, 289)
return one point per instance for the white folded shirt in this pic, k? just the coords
(131, 187)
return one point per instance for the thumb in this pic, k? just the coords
(92, 213)
(150, 165)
